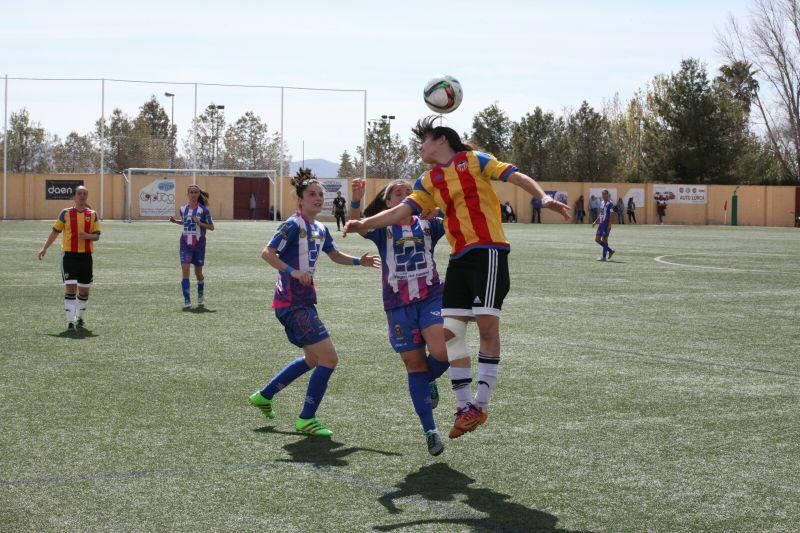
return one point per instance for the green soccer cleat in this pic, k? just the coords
(262, 404)
(312, 426)
(435, 446)
(434, 395)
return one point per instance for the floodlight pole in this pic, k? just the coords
(282, 158)
(102, 140)
(171, 97)
(5, 150)
(194, 148)
(364, 158)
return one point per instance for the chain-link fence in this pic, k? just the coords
(104, 126)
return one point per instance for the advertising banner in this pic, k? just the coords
(330, 187)
(158, 198)
(683, 194)
(60, 189)
(637, 195)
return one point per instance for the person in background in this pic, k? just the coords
(195, 218)
(620, 209)
(594, 207)
(339, 205)
(580, 212)
(508, 212)
(661, 207)
(631, 210)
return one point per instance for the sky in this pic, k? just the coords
(517, 54)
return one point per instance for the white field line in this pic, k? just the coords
(660, 259)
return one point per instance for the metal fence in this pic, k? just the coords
(298, 116)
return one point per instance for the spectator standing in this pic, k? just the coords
(594, 208)
(661, 207)
(620, 209)
(631, 210)
(508, 212)
(580, 212)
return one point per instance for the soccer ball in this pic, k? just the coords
(443, 94)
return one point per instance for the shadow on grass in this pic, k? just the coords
(441, 483)
(322, 451)
(74, 334)
(198, 310)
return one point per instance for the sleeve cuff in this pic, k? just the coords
(415, 207)
(507, 172)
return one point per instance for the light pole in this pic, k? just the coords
(214, 134)
(638, 149)
(171, 97)
(388, 120)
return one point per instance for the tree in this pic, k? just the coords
(346, 167)
(491, 131)
(592, 152)
(387, 156)
(116, 140)
(695, 131)
(203, 143)
(27, 144)
(247, 143)
(770, 45)
(537, 143)
(75, 154)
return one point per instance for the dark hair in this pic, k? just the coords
(425, 127)
(203, 198)
(378, 203)
(302, 180)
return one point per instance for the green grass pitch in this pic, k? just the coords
(657, 392)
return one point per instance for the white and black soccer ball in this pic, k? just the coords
(443, 94)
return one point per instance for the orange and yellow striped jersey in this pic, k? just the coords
(71, 222)
(463, 189)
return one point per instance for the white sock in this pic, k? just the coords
(69, 307)
(82, 304)
(461, 380)
(487, 377)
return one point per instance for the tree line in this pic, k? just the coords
(148, 140)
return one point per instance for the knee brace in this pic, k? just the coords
(457, 346)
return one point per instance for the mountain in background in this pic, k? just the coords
(322, 168)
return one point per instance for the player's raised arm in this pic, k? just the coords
(366, 260)
(357, 190)
(381, 220)
(529, 185)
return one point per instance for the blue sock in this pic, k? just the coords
(290, 372)
(436, 368)
(317, 386)
(420, 391)
(185, 287)
(200, 286)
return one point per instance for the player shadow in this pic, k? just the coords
(441, 483)
(198, 310)
(78, 334)
(324, 452)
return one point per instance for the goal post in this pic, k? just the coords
(193, 173)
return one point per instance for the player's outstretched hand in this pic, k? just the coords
(304, 278)
(172, 219)
(372, 261)
(358, 188)
(352, 226)
(41, 253)
(558, 207)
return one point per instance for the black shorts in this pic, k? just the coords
(476, 283)
(76, 268)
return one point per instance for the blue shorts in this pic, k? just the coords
(406, 323)
(302, 324)
(195, 255)
(603, 231)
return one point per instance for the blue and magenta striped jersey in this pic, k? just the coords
(192, 233)
(298, 243)
(605, 212)
(409, 270)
